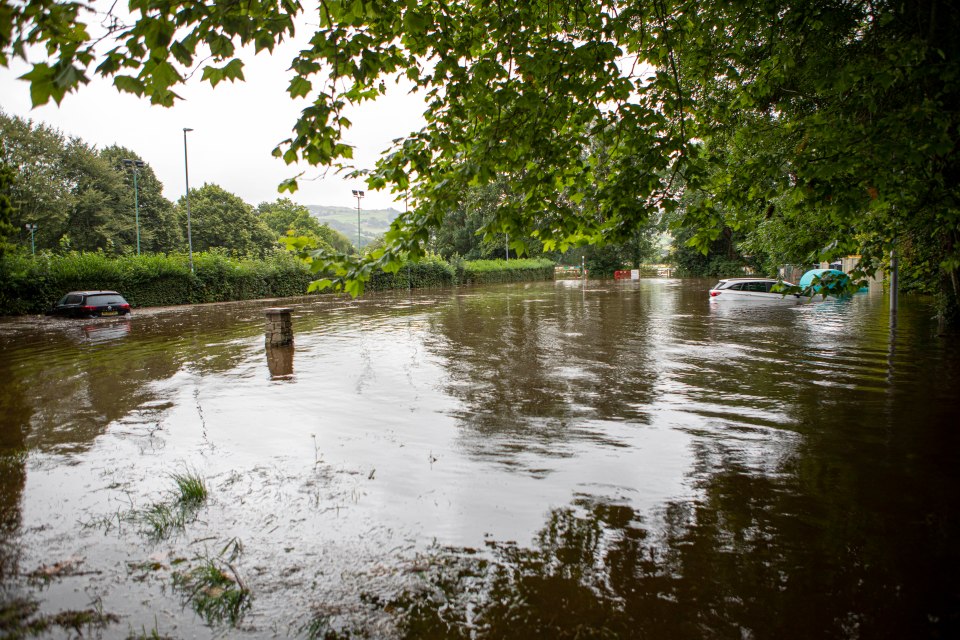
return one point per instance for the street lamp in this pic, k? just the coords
(358, 195)
(31, 227)
(186, 171)
(136, 165)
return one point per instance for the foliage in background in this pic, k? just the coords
(283, 216)
(7, 229)
(222, 220)
(159, 228)
(496, 271)
(83, 199)
(65, 186)
(602, 260)
(429, 272)
(721, 259)
(470, 229)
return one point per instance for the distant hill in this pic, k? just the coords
(373, 222)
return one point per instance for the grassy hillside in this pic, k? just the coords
(373, 222)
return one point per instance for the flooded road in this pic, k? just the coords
(625, 459)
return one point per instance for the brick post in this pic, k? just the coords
(279, 327)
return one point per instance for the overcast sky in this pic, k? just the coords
(235, 127)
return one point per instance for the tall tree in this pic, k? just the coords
(40, 191)
(7, 230)
(220, 219)
(159, 228)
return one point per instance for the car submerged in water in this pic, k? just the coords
(751, 289)
(90, 304)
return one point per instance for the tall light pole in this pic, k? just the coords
(186, 171)
(358, 195)
(31, 227)
(136, 165)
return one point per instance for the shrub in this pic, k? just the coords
(429, 272)
(497, 271)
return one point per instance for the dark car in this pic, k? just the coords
(90, 304)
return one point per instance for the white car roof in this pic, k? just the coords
(748, 280)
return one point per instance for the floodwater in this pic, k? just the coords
(621, 459)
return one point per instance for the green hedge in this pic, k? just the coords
(497, 271)
(430, 272)
(32, 284)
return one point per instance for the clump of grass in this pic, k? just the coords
(164, 517)
(214, 589)
(191, 488)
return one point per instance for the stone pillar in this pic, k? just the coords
(279, 326)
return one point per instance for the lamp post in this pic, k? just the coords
(358, 195)
(31, 227)
(186, 171)
(136, 165)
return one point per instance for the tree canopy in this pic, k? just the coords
(836, 118)
(220, 219)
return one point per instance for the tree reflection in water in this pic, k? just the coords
(769, 566)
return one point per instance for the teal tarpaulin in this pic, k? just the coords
(807, 278)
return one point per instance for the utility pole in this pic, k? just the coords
(186, 171)
(358, 195)
(136, 165)
(31, 227)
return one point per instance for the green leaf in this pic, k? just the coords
(299, 87)
(129, 84)
(233, 70)
(289, 185)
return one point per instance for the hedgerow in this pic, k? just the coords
(32, 284)
(497, 271)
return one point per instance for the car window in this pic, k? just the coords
(71, 299)
(758, 287)
(105, 299)
(736, 287)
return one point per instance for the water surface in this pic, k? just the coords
(625, 459)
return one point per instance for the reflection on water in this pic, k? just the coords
(103, 332)
(280, 361)
(557, 460)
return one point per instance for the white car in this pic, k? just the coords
(750, 289)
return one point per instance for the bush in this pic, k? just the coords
(497, 271)
(429, 272)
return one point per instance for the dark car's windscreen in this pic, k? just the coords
(103, 300)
